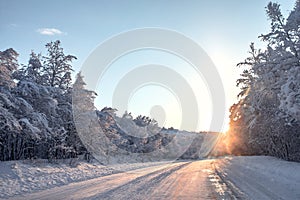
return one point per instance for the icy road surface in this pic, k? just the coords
(228, 178)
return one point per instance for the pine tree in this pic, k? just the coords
(8, 64)
(268, 112)
(56, 66)
(33, 71)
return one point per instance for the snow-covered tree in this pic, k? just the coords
(284, 58)
(268, 112)
(8, 64)
(142, 120)
(36, 118)
(33, 71)
(127, 115)
(57, 67)
(83, 99)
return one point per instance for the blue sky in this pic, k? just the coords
(224, 29)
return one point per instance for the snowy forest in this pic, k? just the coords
(36, 118)
(36, 110)
(36, 106)
(266, 119)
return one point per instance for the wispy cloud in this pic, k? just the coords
(13, 25)
(50, 31)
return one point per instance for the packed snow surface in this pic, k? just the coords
(256, 177)
(261, 177)
(19, 177)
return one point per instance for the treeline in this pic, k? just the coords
(36, 106)
(266, 119)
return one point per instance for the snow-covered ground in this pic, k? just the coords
(261, 177)
(256, 177)
(19, 177)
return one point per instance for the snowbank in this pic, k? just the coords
(262, 177)
(19, 177)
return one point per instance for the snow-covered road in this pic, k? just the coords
(261, 177)
(228, 178)
(180, 180)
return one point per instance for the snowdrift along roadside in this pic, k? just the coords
(26, 176)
